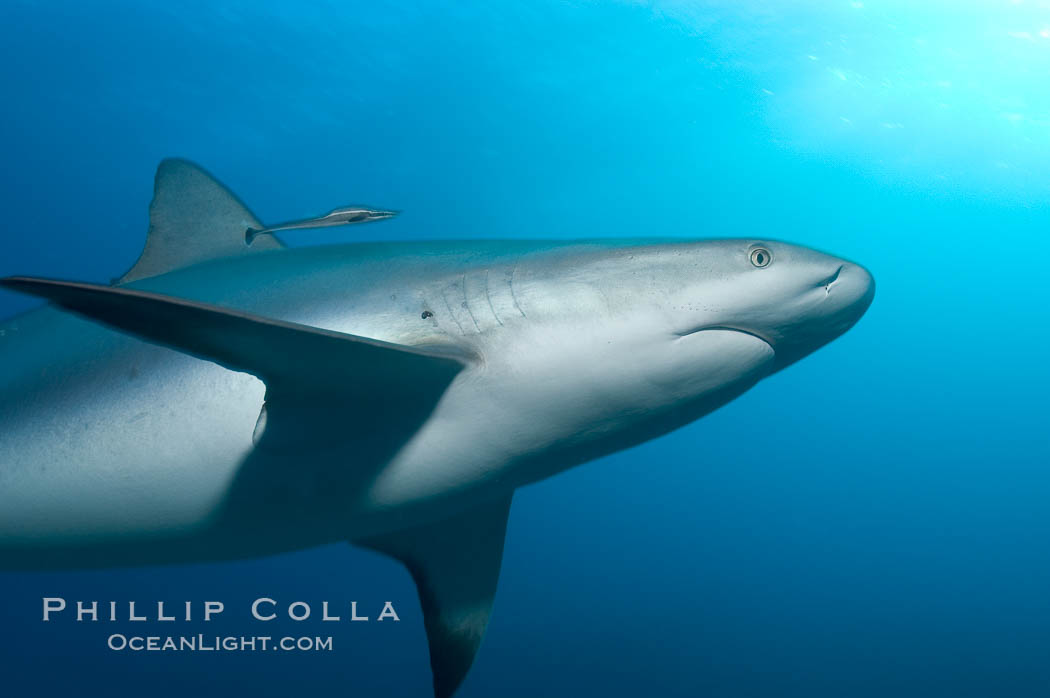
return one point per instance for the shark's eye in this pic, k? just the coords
(761, 257)
(427, 314)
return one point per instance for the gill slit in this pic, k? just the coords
(513, 296)
(444, 297)
(466, 303)
(488, 297)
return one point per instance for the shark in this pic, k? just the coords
(232, 397)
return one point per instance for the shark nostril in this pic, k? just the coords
(826, 283)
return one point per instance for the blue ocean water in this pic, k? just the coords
(873, 521)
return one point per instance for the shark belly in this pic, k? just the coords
(115, 451)
(107, 442)
(562, 403)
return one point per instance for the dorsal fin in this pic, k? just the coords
(193, 218)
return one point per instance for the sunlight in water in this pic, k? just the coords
(945, 92)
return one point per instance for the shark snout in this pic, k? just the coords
(852, 287)
(793, 298)
(836, 301)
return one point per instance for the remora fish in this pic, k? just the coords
(226, 400)
(340, 216)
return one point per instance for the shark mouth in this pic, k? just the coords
(728, 328)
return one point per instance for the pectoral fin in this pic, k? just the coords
(292, 359)
(455, 564)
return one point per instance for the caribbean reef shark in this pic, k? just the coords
(229, 397)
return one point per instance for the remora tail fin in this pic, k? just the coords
(291, 359)
(193, 218)
(455, 564)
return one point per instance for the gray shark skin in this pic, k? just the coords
(248, 401)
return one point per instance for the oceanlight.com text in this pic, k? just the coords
(216, 643)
